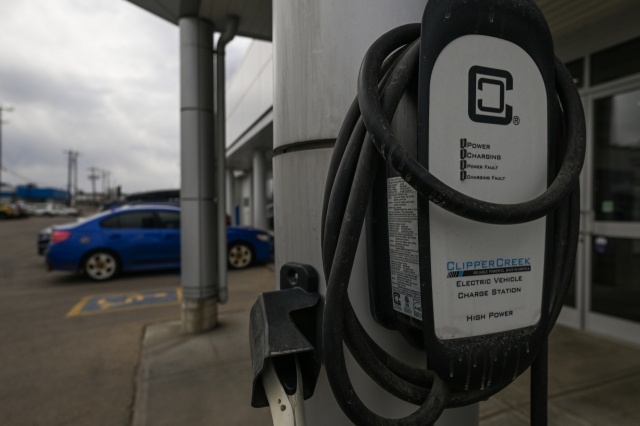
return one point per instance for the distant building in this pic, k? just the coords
(7, 193)
(33, 194)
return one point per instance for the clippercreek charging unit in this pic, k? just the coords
(462, 151)
(487, 127)
(472, 194)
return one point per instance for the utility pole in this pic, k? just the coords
(75, 179)
(105, 183)
(72, 157)
(2, 109)
(93, 177)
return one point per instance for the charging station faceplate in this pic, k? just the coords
(487, 126)
(475, 296)
(488, 140)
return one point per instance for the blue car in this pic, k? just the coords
(137, 238)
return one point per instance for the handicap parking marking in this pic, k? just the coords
(127, 301)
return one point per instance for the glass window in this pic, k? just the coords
(112, 222)
(617, 157)
(576, 69)
(615, 284)
(616, 62)
(169, 220)
(137, 220)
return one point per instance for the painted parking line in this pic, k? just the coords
(120, 302)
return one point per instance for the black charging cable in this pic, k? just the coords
(390, 63)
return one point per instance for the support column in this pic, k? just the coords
(259, 191)
(198, 243)
(312, 94)
(229, 182)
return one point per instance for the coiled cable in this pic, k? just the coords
(365, 135)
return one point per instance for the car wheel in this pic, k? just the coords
(240, 255)
(101, 266)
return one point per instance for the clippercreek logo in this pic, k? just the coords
(488, 267)
(487, 87)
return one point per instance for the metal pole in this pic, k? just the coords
(75, 179)
(0, 149)
(259, 189)
(199, 235)
(69, 167)
(221, 163)
(539, 387)
(229, 193)
(318, 50)
(93, 177)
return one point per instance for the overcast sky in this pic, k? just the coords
(97, 76)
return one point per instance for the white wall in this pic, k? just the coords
(250, 91)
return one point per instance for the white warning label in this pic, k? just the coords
(402, 201)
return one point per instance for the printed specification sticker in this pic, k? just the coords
(402, 201)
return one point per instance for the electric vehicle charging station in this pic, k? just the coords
(470, 199)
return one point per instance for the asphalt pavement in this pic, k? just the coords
(71, 350)
(80, 369)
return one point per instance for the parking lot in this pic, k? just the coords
(71, 346)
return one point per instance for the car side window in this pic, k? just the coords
(111, 222)
(169, 220)
(131, 220)
(138, 220)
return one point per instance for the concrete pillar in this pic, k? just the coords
(259, 191)
(229, 182)
(198, 226)
(318, 49)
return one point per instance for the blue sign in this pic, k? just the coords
(31, 193)
(127, 301)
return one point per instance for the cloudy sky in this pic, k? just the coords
(97, 76)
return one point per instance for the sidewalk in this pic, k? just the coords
(203, 379)
(206, 379)
(592, 382)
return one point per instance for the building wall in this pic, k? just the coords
(250, 91)
(600, 301)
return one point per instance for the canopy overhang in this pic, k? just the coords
(255, 15)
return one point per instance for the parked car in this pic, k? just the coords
(7, 211)
(135, 238)
(21, 209)
(54, 209)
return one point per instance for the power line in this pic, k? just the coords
(19, 176)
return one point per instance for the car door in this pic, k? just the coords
(135, 236)
(169, 224)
